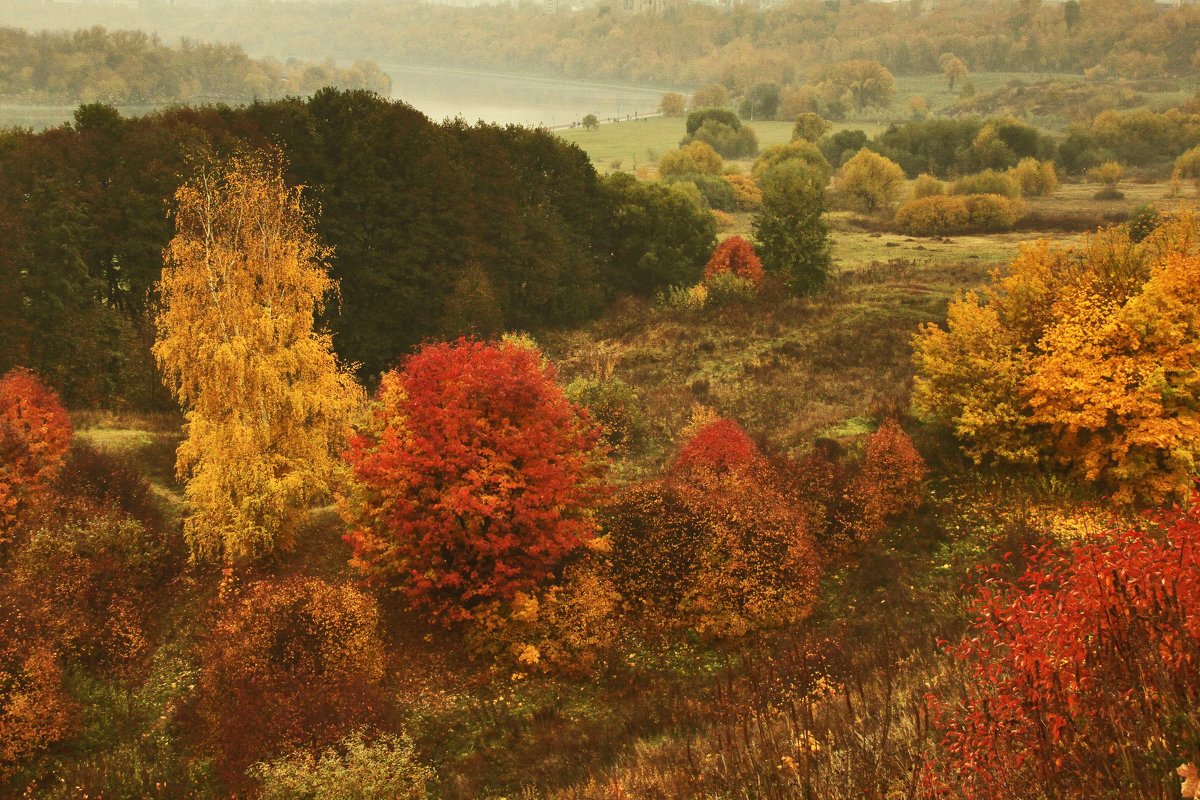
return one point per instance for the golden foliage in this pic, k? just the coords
(1087, 359)
(267, 403)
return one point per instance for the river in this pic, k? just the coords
(447, 93)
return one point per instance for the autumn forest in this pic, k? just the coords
(830, 432)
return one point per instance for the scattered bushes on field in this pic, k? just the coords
(992, 212)
(944, 215)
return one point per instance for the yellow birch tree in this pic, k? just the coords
(267, 404)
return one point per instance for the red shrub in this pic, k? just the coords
(477, 481)
(735, 255)
(35, 435)
(1082, 678)
(718, 445)
(291, 663)
(888, 484)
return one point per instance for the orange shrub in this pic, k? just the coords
(35, 435)
(291, 663)
(888, 485)
(735, 255)
(722, 551)
(936, 215)
(476, 482)
(746, 194)
(35, 710)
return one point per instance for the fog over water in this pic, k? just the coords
(441, 93)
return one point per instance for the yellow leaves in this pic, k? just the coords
(1087, 358)
(268, 406)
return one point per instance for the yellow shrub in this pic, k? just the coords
(933, 216)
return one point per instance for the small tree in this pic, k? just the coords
(714, 95)
(694, 158)
(267, 403)
(1110, 174)
(590, 122)
(793, 238)
(953, 68)
(869, 182)
(673, 104)
(735, 255)
(810, 127)
(475, 480)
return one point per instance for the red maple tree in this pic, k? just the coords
(476, 482)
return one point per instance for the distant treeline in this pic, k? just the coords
(130, 67)
(437, 230)
(695, 44)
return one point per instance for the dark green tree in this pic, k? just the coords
(793, 239)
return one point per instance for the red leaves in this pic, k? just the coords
(35, 435)
(735, 255)
(889, 483)
(1088, 650)
(477, 481)
(719, 445)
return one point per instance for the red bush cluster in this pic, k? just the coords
(1082, 676)
(476, 482)
(735, 255)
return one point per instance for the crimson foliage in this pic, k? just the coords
(477, 479)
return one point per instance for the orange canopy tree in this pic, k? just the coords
(476, 480)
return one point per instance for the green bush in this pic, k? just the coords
(355, 769)
(714, 192)
(987, 182)
(615, 405)
(934, 216)
(725, 288)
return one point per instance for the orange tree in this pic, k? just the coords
(735, 255)
(1082, 358)
(35, 435)
(476, 479)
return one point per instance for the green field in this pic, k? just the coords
(630, 145)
